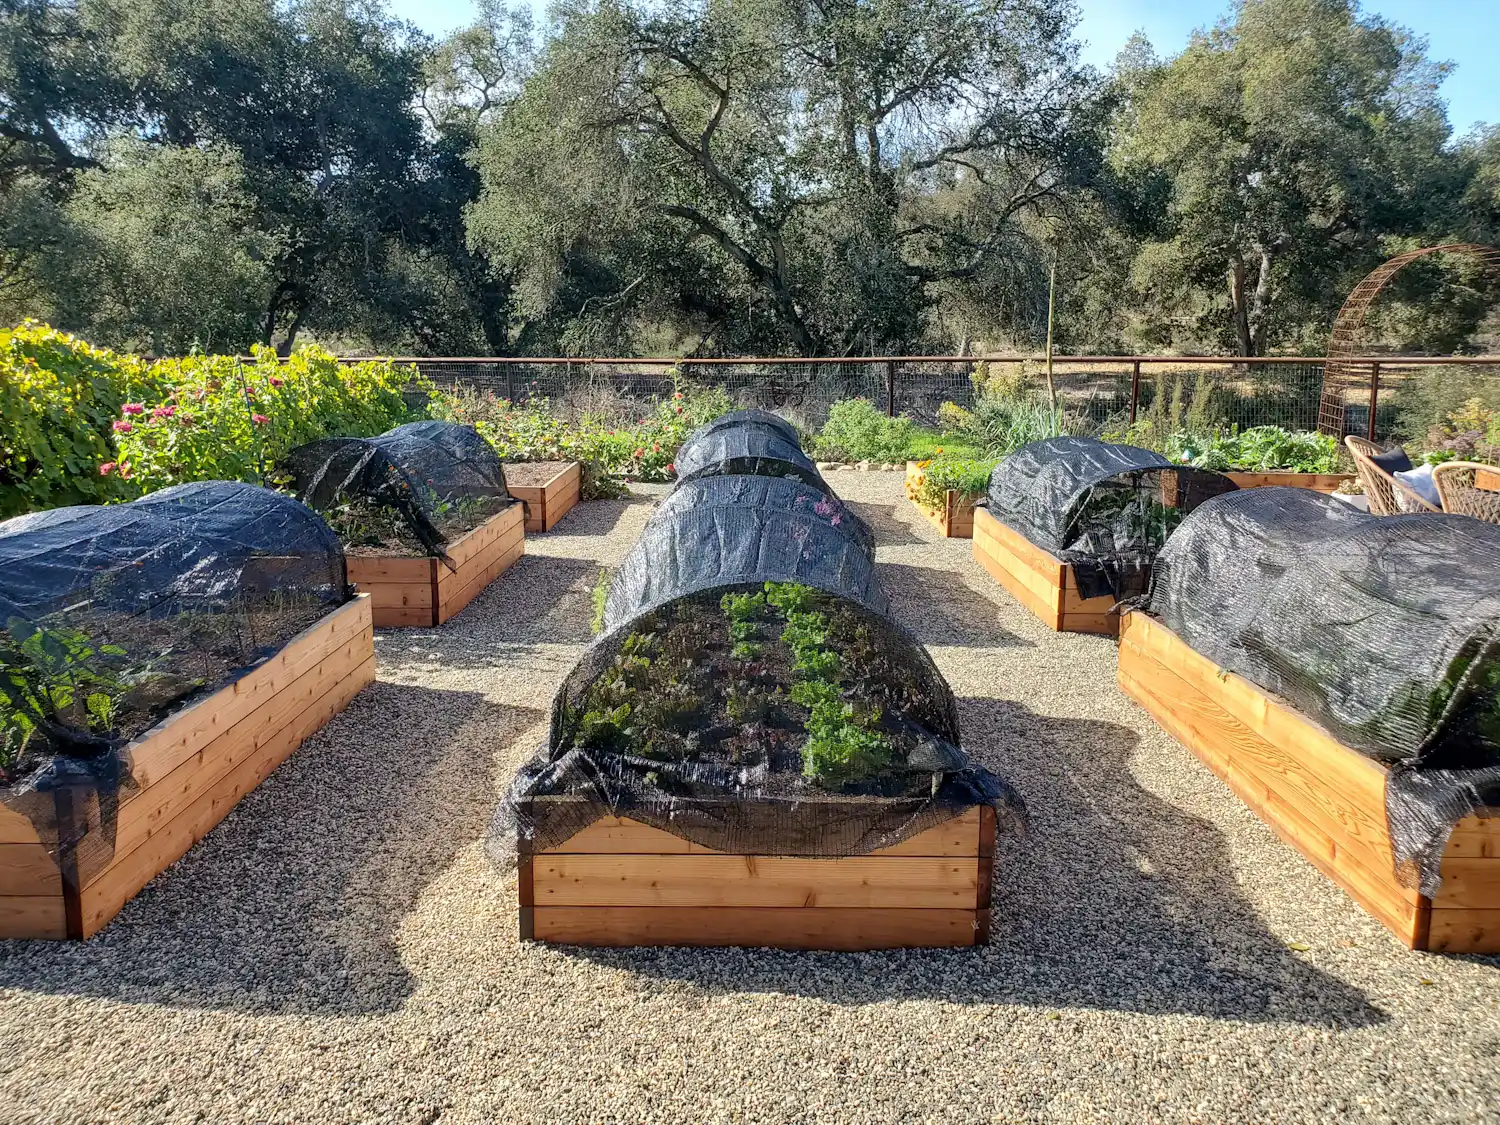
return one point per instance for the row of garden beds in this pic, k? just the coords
(75, 849)
(1401, 810)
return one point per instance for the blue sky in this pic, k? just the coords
(1463, 32)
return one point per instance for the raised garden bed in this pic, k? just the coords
(549, 489)
(955, 519)
(424, 591)
(619, 882)
(1320, 796)
(184, 775)
(1487, 478)
(1318, 482)
(1041, 582)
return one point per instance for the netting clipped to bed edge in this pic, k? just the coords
(1105, 509)
(1383, 630)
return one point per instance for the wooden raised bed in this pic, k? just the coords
(1043, 584)
(956, 517)
(1321, 797)
(1317, 482)
(622, 883)
(549, 489)
(185, 774)
(1487, 479)
(424, 591)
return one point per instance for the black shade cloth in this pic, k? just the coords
(749, 693)
(1105, 509)
(746, 443)
(1383, 630)
(444, 479)
(114, 616)
(732, 530)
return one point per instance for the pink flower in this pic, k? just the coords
(836, 520)
(824, 508)
(106, 468)
(123, 427)
(679, 410)
(259, 419)
(133, 408)
(164, 412)
(275, 382)
(656, 447)
(671, 468)
(125, 470)
(678, 394)
(638, 452)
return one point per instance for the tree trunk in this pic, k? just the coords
(1260, 305)
(1238, 306)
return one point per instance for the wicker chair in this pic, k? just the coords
(1461, 494)
(1381, 487)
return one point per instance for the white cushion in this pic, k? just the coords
(1419, 480)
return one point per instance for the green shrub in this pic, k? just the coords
(857, 431)
(1263, 449)
(59, 399)
(643, 450)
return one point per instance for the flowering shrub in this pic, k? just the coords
(970, 478)
(220, 418)
(85, 426)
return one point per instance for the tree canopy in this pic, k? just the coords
(723, 177)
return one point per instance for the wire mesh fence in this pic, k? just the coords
(1408, 395)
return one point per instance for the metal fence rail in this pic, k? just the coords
(1243, 392)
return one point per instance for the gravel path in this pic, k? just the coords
(339, 949)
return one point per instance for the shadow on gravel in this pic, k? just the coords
(938, 608)
(295, 902)
(539, 598)
(594, 517)
(889, 531)
(1118, 901)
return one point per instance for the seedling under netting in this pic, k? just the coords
(746, 442)
(1384, 630)
(750, 695)
(410, 491)
(116, 616)
(1104, 509)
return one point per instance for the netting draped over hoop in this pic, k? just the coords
(1105, 509)
(441, 477)
(1383, 630)
(746, 443)
(114, 616)
(749, 693)
(732, 530)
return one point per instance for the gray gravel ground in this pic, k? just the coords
(339, 950)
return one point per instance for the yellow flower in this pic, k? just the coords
(939, 449)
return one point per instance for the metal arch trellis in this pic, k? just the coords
(1348, 327)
